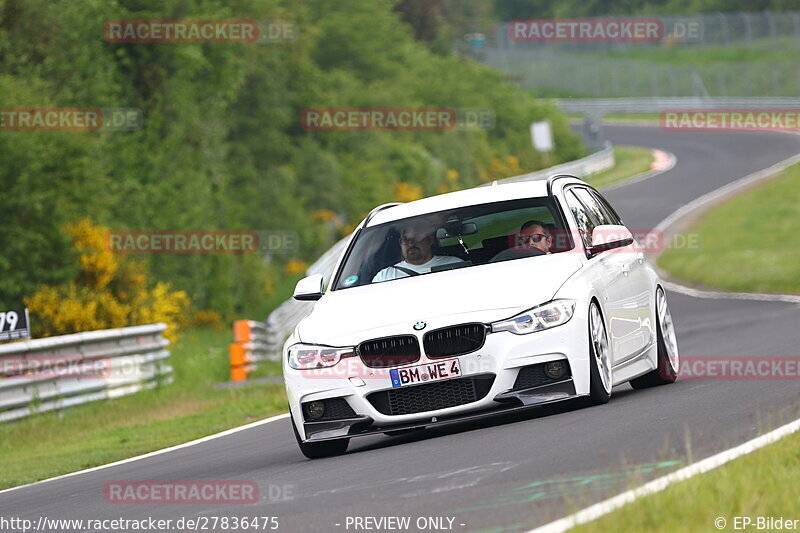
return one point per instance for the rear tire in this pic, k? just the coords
(599, 358)
(318, 450)
(667, 345)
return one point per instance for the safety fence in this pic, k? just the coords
(601, 106)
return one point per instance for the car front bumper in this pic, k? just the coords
(502, 356)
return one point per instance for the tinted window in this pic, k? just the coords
(612, 215)
(452, 239)
(585, 222)
(597, 211)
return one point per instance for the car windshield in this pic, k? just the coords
(452, 239)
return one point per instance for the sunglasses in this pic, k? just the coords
(536, 237)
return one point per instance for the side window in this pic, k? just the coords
(598, 212)
(582, 219)
(612, 215)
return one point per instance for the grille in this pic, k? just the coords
(389, 351)
(431, 396)
(454, 340)
(335, 409)
(533, 376)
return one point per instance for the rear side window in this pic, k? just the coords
(599, 213)
(612, 214)
(584, 222)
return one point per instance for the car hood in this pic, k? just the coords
(481, 293)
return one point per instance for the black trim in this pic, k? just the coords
(425, 341)
(552, 179)
(415, 345)
(511, 402)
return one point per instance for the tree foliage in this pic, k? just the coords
(222, 146)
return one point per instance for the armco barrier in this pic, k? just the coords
(131, 358)
(252, 342)
(602, 106)
(282, 321)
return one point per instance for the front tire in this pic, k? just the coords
(667, 346)
(318, 450)
(599, 358)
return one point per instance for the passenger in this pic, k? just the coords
(534, 238)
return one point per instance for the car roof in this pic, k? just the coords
(497, 192)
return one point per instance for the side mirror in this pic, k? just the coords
(608, 237)
(309, 289)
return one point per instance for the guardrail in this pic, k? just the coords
(580, 168)
(252, 342)
(601, 106)
(56, 372)
(282, 321)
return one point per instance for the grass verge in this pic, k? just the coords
(630, 161)
(53, 443)
(751, 243)
(764, 483)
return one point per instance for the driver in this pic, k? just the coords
(416, 242)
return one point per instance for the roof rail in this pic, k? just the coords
(377, 210)
(552, 179)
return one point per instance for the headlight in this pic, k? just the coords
(308, 356)
(545, 316)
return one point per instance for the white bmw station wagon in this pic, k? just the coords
(475, 303)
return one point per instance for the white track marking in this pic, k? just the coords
(704, 202)
(657, 485)
(156, 452)
(721, 295)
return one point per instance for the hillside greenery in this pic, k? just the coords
(222, 147)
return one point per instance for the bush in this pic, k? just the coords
(110, 291)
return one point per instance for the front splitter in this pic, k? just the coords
(508, 402)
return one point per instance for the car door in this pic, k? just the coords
(638, 278)
(620, 298)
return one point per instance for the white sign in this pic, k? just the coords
(542, 135)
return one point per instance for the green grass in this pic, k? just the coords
(750, 243)
(50, 444)
(630, 161)
(763, 483)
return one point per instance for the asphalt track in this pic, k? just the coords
(512, 473)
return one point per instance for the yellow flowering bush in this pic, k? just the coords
(295, 266)
(111, 291)
(501, 168)
(407, 192)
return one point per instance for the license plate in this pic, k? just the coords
(425, 373)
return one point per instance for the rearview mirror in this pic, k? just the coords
(469, 228)
(609, 236)
(309, 289)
